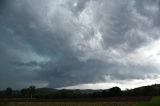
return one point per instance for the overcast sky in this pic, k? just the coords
(94, 44)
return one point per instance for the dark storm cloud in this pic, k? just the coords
(62, 43)
(77, 6)
(125, 20)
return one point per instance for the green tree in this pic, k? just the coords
(24, 92)
(31, 90)
(8, 93)
(115, 91)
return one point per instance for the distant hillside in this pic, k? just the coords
(155, 87)
(49, 93)
(45, 90)
(50, 90)
(150, 90)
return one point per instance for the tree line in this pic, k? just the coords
(24, 93)
(32, 92)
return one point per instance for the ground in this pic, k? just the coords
(155, 101)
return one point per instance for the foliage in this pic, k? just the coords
(48, 93)
(8, 93)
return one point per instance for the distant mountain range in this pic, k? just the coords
(50, 90)
(149, 90)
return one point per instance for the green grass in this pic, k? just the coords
(4, 104)
(67, 104)
(143, 104)
(154, 102)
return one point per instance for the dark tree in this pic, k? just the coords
(31, 90)
(104, 93)
(8, 93)
(115, 91)
(148, 91)
(24, 92)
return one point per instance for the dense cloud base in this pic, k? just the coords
(57, 43)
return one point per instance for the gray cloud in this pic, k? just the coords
(62, 43)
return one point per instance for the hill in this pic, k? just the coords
(151, 90)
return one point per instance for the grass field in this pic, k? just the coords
(155, 101)
(68, 104)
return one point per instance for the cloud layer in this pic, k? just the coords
(58, 43)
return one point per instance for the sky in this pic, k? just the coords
(79, 44)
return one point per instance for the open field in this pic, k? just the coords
(68, 104)
(155, 101)
(107, 99)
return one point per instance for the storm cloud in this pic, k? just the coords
(60, 43)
